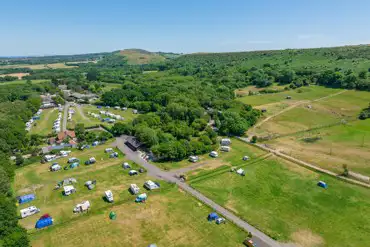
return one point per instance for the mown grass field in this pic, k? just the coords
(44, 126)
(208, 163)
(283, 200)
(170, 217)
(303, 93)
(128, 115)
(316, 135)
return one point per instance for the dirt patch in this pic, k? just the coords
(30, 189)
(306, 238)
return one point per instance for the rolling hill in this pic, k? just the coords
(139, 56)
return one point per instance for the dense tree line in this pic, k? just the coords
(176, 111)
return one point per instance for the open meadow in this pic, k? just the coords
(283, 200)
(325, 132)
(44, 125)
(170, 217)
(23, 82)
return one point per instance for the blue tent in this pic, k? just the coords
(322, 184)
(74, 165)
(26, 198)
(41, 223)
(212, 216)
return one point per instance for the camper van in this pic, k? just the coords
(108, 150)
(73, 160)
(193, 159)
(68, 190)
(225, 142)
(29, 211)
(55, 167)
(150, 185)
(213, 154)
(108, 195)
(82, 207)
(134, 189)
(225, 148)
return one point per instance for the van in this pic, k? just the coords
(134, 189)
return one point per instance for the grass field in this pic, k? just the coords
(209, 163)
(283, 200)
(44, 126)
(38, 66)
(136, 56)
(128, 115)
(170, 217)
(303, 93)
(109, 86)
(314, 137)
(22, 82)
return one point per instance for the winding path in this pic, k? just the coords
(261, 239)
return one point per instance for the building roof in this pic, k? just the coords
(133, 141)
(62, 135)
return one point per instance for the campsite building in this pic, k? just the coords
(133, 143)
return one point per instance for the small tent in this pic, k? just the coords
(141, 198)
(41, 223)
(112, 215)
(212, 216)
(26, 198)
(322, 184)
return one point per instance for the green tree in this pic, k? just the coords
(19, 160)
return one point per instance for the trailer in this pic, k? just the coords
(69, 189)
(29, 211)
(134, 189)
(150, 185)
(109, 195)
(55, 167)
(90, 161)
(82, 207)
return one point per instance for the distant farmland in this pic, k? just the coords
(38, 66)
(19, 75)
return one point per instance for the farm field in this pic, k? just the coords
(44, 126)
(38, 66)
(318, 135)
(19, 75)
(283, 200)
(331, 147)
(303, 93)
(170, 217)
(208, 163)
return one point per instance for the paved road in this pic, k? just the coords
(261, 239)
(65, 116)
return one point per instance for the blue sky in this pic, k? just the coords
(41, 27)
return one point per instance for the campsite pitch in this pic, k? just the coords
(170, 217)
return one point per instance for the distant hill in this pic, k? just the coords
(139, 56)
